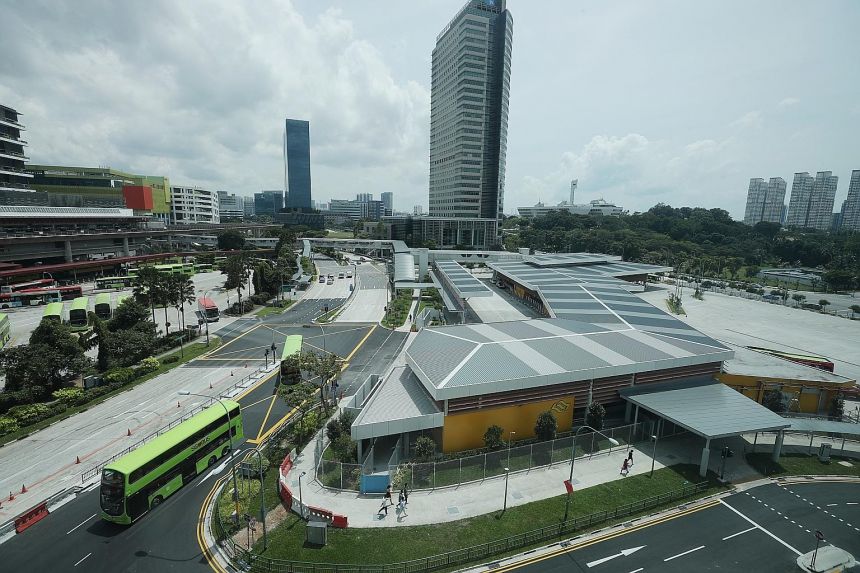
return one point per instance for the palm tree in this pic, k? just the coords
(185, 294)
(165, 295)
(237, 267)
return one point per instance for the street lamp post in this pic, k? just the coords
(230, 435)
(819, 537)
(653, 455)
(507, 473)
(266, 356)
(612, 441)
(323, 337)
(301, 505)
(262, 496)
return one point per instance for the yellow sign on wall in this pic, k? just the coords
(465, 431)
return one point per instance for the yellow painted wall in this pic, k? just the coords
(465, 431)
(753, 387)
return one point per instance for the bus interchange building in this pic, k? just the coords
(594, 340)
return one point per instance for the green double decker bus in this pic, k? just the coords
(79, 320)
(142, 479)
(292, 347)
(102, 307)
(53, 312)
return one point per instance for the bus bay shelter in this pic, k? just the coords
(708, 409)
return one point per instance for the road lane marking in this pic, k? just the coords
(638, 570)
(244, 406)
(760, 527)
(684, 553)
(738, 533)
(832, 504)
(81, 523)
(266, 417)
(82, 559)
(622, 553)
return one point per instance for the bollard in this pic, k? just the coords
(77, 459)
(23, 488)
(128, 432)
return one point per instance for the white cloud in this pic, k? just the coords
(749, 120)
(787, 102)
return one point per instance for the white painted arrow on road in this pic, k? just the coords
(623, 553)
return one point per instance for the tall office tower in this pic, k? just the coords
(573, 184)
(821, 202)
(851, 205)
(268, 202)
(364, 197)
(774, 202)
(297, 163)
(470, 86)
(798, 204)
(12, 158)
(388, 201)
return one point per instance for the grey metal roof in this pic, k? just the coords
(463, 283)
(824, 426)
(404, 267)
(65, 212)
(399, 404)
(474, 359)
(709, 409)
(753, 363)
(553, 259)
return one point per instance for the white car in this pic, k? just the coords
(340, 275)
(349, 274)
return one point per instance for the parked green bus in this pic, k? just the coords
(53, 311)
(78, 318)
(5, 329)
(114, 282)
(143, 478)
(102, 307)
(290, 374)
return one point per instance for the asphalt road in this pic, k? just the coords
(763, 529)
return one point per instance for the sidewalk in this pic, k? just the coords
(413, 310)
(477, 498)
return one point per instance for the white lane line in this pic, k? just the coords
(638, 570)
(832, 504)
(684, 553)
(851, 503)
(81, 523)
(82, 559)
(738, 533)
(760, 527)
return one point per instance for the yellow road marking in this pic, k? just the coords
(563, 550)
(266, 417)
(256, 385)
(359, 345)
(238, 359)
(207, 553)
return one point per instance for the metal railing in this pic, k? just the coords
(248, 561)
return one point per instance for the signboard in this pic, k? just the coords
(568, 486)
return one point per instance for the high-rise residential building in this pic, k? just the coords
(12, 157)
(811, 204)
(765, 200)
(388, 201)
(268, 202)
(851, 205)
(297, 164)
(470, 86)
(231, 206)
(192, 205)
(798, 204)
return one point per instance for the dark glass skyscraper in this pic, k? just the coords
(470, 86)
(297, 163)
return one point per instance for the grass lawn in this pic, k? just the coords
(801, 464)
(249, 495)
(332, 234)
(395, 544)
(269, 310)
(191, 352)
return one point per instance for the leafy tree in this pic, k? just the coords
(546, 426)
(127, 314)
(839, 279)
(48, 362)
(823, 303)
(185, 294)
(147, 287)
(130, 345)
(101, 333)
(425, 449)
(773, 400)
(595, 414)
(798, 298)
(230, 240)
(837, 406)
(238, 270)
(493, 437)
(284, 248)
(333, 430)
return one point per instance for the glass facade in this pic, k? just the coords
(297, 161)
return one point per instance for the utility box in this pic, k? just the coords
(824, 452)
(316, 532)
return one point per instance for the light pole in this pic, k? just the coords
(819, 537)
(511, 435)
(323, 337)
(206, 318)
(653, 455)
(505, 506)
(262, 496)
(301, 505)
(267, 357)
(612, 441)
(230, 436)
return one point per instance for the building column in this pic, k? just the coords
(360, 453)
(68, 248)
(706, 452)
(627, 409)
(404, 440)
(777, 446)
(125, 250)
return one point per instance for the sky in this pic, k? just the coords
(643, 102)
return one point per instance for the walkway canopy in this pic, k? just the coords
(709, 409)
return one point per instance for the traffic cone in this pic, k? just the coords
(11, 497)
(231, 373)
(77, 459)
(23, 488)
(177, 404)
(128, 432)
(210, 385)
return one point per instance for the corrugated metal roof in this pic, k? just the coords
(709, 409)
(400, 404)
(465, 285)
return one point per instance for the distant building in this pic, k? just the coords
(341, 209)
(851, 205)
(13, 177)
(192, 205)
(249, 206)
(388, 201)
(418, 210)
(443, 232)
(231, 206)
(798, 204)
(811, 203)
(268, 202)
(469, 89)
(364, 197)
(297, 164)
(765, 201)
(598, 207)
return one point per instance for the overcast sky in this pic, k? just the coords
(644, 102)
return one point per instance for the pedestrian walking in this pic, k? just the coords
(405, 494)
(624, 468)
(383, 507)
(630, 459)
(387, 496)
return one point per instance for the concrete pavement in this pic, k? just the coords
(368, 302)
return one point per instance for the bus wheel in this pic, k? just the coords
(211, 462)
(225, 451)
(157, 501)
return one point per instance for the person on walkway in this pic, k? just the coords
(624, 468)
(383, 507)
(405, 494)
(401, 504)
(387, 496)
(630, 459)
